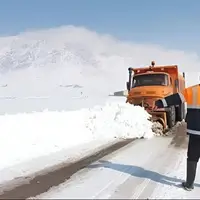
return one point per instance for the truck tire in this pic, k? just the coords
(171, 117)
(180, 112)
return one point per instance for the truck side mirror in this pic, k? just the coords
(176, 83)
(128, 86)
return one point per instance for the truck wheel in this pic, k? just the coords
(171, 117)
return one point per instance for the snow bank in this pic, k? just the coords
(119, 120)
(27, 136)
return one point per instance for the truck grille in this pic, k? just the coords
(151, 92)
(147, 103)
(137, 93)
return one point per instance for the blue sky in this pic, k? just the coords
(173, 23)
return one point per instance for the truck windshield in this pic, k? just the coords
(150, 79)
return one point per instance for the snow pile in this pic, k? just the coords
(120, 120)
(27, 136)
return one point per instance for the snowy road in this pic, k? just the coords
(144, 169)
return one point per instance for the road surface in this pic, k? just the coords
(145, 169)
(152, 168)
(32, 185)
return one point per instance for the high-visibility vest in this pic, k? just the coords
(191, 95)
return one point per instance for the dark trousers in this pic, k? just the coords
(193, 153)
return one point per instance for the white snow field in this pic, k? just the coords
(47, 76)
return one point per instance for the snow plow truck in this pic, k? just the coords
(146, 85)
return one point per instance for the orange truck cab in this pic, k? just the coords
(150, 83)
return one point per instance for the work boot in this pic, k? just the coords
(191, 173)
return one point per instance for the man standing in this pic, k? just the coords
(192, 96)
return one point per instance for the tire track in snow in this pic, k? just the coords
(166, 159)
(34, 186)
(169, 160)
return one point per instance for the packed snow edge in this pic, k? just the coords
(43, 133)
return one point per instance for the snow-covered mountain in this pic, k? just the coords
(37, 62)
(70, 64)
